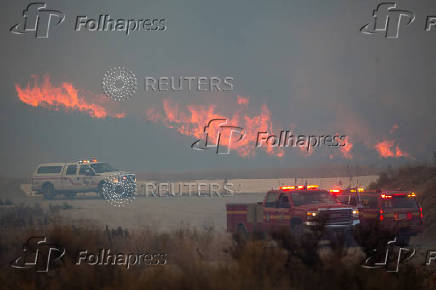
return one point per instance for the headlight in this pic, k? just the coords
(115, 179)
(312, 213)
(355, 212)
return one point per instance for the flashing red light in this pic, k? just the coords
(382, 216)
(287, 187)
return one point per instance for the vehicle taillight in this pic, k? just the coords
(335, 191)
(420, 213)
(382, 215)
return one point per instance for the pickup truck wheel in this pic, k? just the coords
(48, 191)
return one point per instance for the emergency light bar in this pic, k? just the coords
(299, 187)
(85, 161)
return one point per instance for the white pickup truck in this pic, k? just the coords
(87, 175)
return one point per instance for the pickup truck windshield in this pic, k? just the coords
(311, 197)
(102, 167)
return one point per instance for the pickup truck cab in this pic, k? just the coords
(294, 208)
(87, 175)
(397, 213)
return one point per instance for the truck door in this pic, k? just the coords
(84, 178)
(270, 207)
(283, 212)
(70, 179)
(369, 208)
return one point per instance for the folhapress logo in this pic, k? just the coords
(38, 20)
(222, 136)
(388, 20)
(39, 255)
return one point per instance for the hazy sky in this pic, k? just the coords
(306, 61)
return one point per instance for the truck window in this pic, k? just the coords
(102, 167)
(71, 170)
(344, 198)
(311, 197)
(84, 169)
(49, 169)
(369, 201)
(271, 199)
(284, 201)
(400, 202)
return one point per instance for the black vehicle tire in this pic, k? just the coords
(241, 233)
(48, 191)
(297, 229)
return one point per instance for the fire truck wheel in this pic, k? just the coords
(241, 232)
(297, 230)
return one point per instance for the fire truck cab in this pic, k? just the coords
(395, 212)
(294, 208)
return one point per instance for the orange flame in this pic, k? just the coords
(64, 96)
(388, 148)
(192, 123)
(346, 149)
(242, 100)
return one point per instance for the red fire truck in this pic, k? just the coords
(294, 208)
(396, 213)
